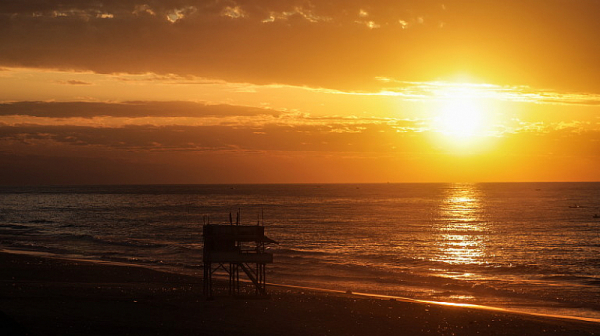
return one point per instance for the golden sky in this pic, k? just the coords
(190, 91)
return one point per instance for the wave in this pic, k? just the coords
(564, 290)
(299, 252)
(17, 227)
(112, 240)
(41, 221)
(572, 279)
(36, 247)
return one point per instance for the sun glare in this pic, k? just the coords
(460, 117)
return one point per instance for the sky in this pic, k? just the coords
(353, 91)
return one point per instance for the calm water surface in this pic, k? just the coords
(526, 246)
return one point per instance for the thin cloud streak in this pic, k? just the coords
(176, 85)
(444, 90)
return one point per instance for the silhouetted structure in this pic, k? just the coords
(232, 248)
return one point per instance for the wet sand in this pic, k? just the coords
(46, 296)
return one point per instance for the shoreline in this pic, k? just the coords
(53, 296)
(308, 288)
(441, 303)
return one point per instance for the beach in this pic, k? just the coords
(42, 295)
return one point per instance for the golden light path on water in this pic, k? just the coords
(461, 229)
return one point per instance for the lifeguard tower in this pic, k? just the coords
(231, 248)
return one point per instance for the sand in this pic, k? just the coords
(47, 296)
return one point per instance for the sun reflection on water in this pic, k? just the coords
(462, 227)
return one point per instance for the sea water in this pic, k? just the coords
(526, 246)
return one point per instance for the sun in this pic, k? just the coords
(460, 117)
(462, 110)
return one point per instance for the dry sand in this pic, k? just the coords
(45, 296)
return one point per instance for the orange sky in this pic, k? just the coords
(187, 91)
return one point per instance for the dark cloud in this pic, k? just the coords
(142, 154)
(127, 109)
(333, 44)
(75, 82)
(31, 154)
(331, 137)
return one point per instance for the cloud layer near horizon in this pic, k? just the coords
(182, 142)
(186, 126)
(337, 44)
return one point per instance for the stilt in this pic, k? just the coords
(238, 247)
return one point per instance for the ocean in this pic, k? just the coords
(531, 247)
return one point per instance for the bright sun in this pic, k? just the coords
(460, 117)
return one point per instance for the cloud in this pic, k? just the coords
(234, 12)
(318, 44)
(127, 109)
(203, 35)
(118, 115)
(74, 82)
(331, 151)
(336, 135)
(448, 89)
(339, 135)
